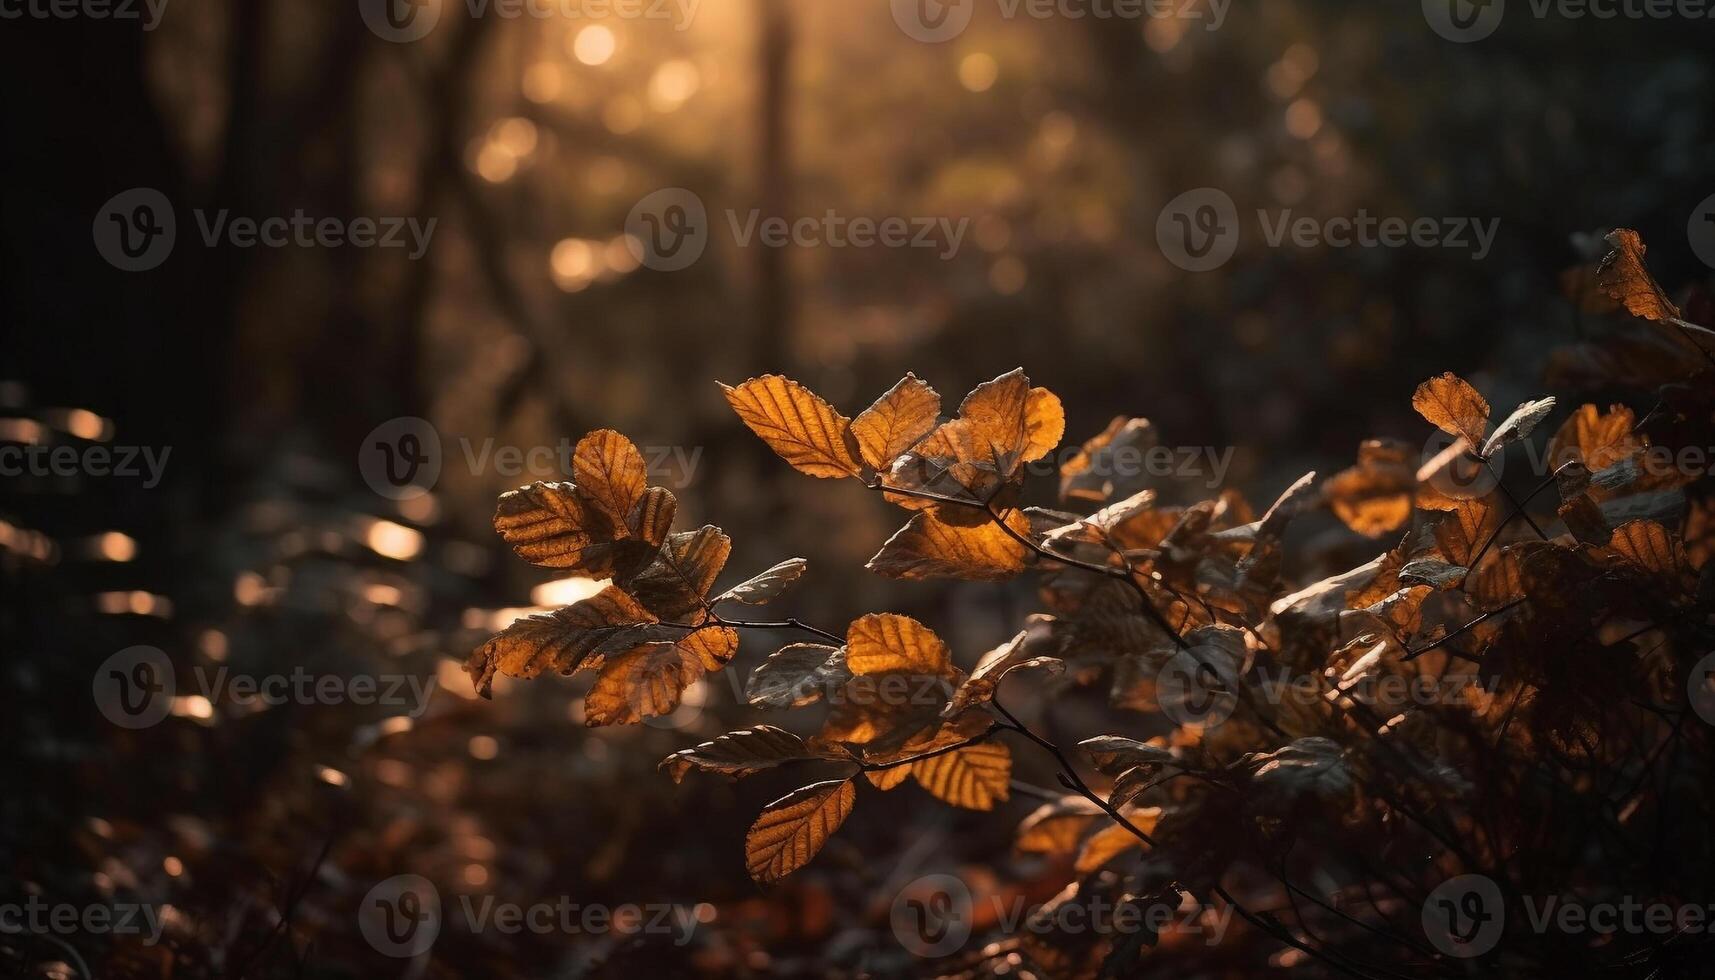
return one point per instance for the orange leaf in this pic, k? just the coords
(926, 547)
(1450, 404)
(887, 643)
(797, 424)
(896, 422)
(793, 828)
(974, 777)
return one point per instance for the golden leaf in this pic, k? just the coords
(1113, 840)
(974, 777)
(1464, 531)
(1044, 424)
(644, 682)
(793, 828)
(887, 643)
(652, 518)
(1057, 826)
(896, 422)
(797, 424)
(561, 640)
(1450, 404)
(1649, 546)
(1596, 439)
(713, 646)
(886, 779)
(558, 525)
(610, 470)
(979, 688)
(927, 547)
(1624, 278)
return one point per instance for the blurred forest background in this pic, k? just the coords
(529, 140)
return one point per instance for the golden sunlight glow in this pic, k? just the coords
(594, 45)
(673, 83)
(977, 73)
(565, 591)
(392, 540)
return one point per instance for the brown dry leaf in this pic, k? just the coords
(797, 675)
(793, 828)
(675, 585)
(1584, 519)
(610, 470)
(1089, 475)
(1449, 403)
(979, 688)
(559, 525)
(887, 643)
(1649, 546)
(1057, 826)
(644, 682)
(1624, 278)
(1518, 425)
(1001, 425)
(927, 547)
(764, 588)
(974, 777)
(1375, 496)
(713, 646)
(897, 421)
(797, 424)
(1464, 531)
(739, 753)
(1598, 440)
(1113, 840)
(561, 640)
(1044, 424)
(652, 518)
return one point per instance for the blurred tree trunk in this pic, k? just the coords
(773, 338)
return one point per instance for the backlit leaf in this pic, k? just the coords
(739, 753)
(927, 547)
(559, 641)
(675, 583)
(1624, 278)
(1057, 826)
(1450, 404)
(896, 422)
(793, 828)
(884, 643)
(608, 468)
(797, 424)
(974, 777)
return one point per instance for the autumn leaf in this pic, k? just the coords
(1114, 840)
(1088, 475)
(649, 680)
(887, 643)
(768, 586)
(560, 640)
(1001, 425)
(1595, 439)
(1057, 826)
(1518, 425)
(1375, 496)
(797, 675)
(1113, 754)
(1624, 278)
(927, 547)
(1450, 404)
(1466, 529)
(610, 470)
(979, 688)
(797, 424)
(676, 583)
(739, 753)
(1650, 547)
(793, 828)
(974, 777)
(890, 778)
(896, 422)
